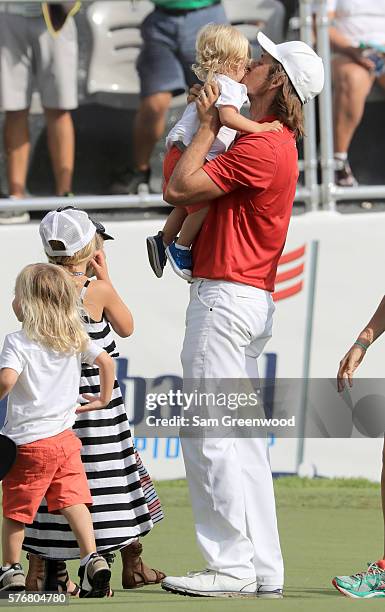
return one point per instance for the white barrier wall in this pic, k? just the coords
(349, 287)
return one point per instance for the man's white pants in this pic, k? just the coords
(231, 488)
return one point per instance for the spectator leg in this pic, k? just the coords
(352, 84)
(17, 146)
(149, 126)
(61, 145)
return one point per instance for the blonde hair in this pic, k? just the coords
(220, 49)
(85, 254)
(50, 308)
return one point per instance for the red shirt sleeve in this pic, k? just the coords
(251, 162)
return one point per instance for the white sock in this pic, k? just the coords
(181, 247)
(341, 156)
(5, 568)
(85, 560)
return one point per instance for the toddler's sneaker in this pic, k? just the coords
(156, 253)
(12, 578)
(95, 577)
(180, 260)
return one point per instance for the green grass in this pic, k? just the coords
(327, 527)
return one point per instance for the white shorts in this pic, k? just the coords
(31, 58)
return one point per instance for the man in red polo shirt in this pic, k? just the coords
(229, 318)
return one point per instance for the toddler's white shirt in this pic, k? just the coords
(43, 401)
(232, 94)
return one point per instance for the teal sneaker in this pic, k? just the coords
(363, 585)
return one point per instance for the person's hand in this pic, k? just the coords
(193, 93)
(99, 265)
(207, 113)
(356, 55)
(348, 366)
(94, 403)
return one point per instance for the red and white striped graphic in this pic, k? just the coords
(289, 280)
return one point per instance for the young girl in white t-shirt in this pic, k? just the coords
(223, 55)
(40, 368)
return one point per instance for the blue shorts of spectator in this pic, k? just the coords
(168, 52)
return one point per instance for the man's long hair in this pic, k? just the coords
(286, 106)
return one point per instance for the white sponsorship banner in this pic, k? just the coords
(348, 289)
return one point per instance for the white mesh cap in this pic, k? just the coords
(72, 227)
(300, 62)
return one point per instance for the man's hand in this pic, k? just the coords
(207, 113)
(193, 93)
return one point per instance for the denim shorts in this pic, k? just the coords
(168, 51)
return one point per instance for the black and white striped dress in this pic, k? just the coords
(126, 504)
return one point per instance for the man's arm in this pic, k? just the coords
(189, 183)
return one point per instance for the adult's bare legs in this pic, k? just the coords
(149, 126)
(61, 146)
(352, 84)
(17, 147)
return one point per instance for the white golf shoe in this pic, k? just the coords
(209, 583)
(269, 591)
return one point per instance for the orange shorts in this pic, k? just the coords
(171, 159)
(50, 468)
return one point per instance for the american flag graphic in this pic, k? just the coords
(289, 280)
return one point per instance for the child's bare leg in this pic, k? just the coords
(191, 226)
(80, 521)
(12, 540)
(173, 224)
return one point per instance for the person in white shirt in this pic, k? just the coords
(357, 37)
(40, 368)
(223, 55)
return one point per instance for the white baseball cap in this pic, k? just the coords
(70, 226)
(301, 63)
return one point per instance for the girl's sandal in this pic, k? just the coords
(49, 575)
(63, 580)
(135, 573)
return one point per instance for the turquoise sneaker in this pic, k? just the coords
(363, 585)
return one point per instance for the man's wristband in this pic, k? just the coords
(362, 345)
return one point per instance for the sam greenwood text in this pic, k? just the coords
(224, 421)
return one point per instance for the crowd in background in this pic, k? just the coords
(34, 56)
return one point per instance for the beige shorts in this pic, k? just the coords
(32, 59)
